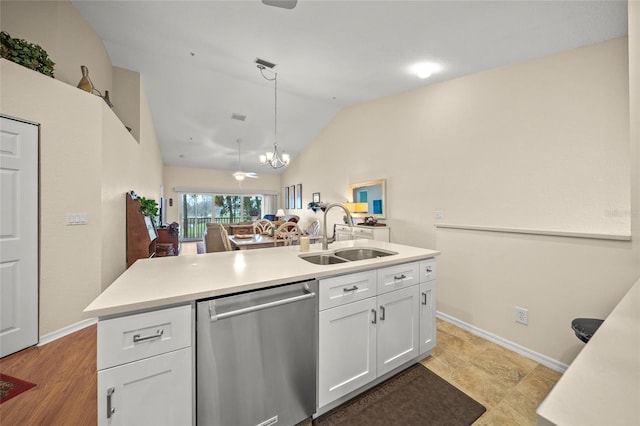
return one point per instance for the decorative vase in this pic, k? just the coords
(106, 98)
(85, 82)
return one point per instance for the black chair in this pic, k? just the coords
(585, 328)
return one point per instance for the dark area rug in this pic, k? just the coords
(415, 396)
(200, 247)
(10, 387)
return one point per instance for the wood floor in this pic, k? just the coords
(508, 385)
(64, 372)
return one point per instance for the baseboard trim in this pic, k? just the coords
(55, 335)
(526, 352)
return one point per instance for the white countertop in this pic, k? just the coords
(602, 385)
(151, 283)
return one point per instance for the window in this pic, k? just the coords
(200, 209)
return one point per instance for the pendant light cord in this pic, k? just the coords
(275, 97)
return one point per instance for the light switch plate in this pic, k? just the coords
(77, 218)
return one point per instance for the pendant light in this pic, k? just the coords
(274, 158)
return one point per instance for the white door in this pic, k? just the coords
(398, 328)
(153, 391)
(18, 235)
(347, 349)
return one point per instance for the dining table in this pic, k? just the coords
(253, 241)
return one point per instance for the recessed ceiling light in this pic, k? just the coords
(425, 69)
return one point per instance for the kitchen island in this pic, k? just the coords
(375, 317)
(602, 385)
(153, 283)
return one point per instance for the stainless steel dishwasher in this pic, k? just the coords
(256, 356)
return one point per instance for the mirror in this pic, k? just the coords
(371, 192)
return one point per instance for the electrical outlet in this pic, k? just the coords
(522, 315)
(439, 214)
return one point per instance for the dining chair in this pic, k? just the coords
(314, 228)
(216, 238)
(262, 227)
(287, 234)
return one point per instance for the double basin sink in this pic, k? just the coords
(346, 255)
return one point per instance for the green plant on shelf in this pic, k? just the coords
(26, 54)
(148, 207)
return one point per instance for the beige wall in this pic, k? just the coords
(60, 30)
(542, 144)
(207, 180)
(88, 160)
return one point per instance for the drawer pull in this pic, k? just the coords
(429, 270)
(401, 277)
(137, 338)
(382, 310)
(110, 409)
(346, 290)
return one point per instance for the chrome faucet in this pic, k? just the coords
(325, 240)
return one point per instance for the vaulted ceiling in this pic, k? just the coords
(197, 59)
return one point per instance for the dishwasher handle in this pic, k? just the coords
(216, 317)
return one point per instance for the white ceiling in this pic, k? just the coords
(196, 59)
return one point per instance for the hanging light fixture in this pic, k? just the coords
(274, 158)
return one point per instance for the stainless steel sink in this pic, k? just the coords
(323, 259)
(362, 253)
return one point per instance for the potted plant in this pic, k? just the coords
(148, 207)
(26, 54)
(315, 206)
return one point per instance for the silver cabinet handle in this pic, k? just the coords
(137, 338)
(110, 409)
(382, 311)
(374, 320)
(401, 277)
(346, 290)
(424, 298)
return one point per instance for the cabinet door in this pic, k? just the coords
(363, 234)
(344, 232)
(398, 328)
(427, 316)
(347, 349)
(153, 391)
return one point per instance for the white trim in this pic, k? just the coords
(526, 352)
(55, 335)
(194, 190)
(616, 237)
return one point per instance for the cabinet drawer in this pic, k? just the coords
(347, 288)
(134, 337)
(399, 276)
(427, 270)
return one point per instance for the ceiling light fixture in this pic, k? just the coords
(274, 158)
(285, 4)
(425, 69)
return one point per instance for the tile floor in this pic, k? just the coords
(509, 385)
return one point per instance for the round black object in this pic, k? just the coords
(585, 327)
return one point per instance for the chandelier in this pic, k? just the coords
(274, 158)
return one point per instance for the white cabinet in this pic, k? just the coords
(145, 368)
(369, 325)
(358, 232)
(398, 322)
(427, 316)
(152, 391)
(427, 305)
(347, 351)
